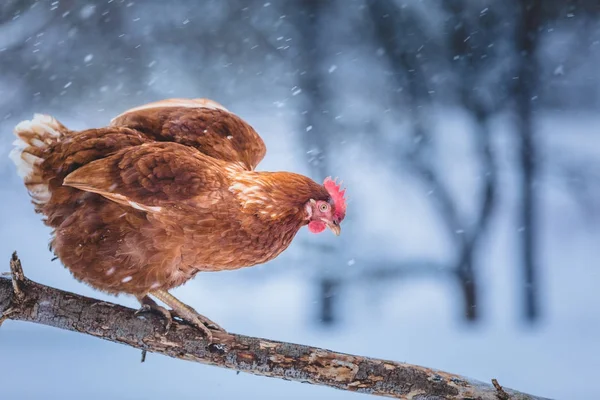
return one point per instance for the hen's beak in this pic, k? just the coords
(335, 228)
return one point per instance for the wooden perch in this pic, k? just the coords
(24, 300)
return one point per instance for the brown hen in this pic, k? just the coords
(165, 191)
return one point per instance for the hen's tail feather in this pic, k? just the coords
(33, 139)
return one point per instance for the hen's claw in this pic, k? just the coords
(197, 320)
(205, 321)
(149, 305)
(188, 314)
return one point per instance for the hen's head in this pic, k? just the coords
(328, 213)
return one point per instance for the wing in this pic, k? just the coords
(153, 175)
(200, 123)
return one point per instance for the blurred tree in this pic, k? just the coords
(400, 32)
(526, 43)
(474, 58)
(315, 130)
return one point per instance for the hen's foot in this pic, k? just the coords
(149, 305)
(188, 314)
(205, 321)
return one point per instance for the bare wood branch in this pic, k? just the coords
(48, 306)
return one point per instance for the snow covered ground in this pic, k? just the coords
(414, 320)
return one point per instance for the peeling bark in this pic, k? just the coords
(24, 300)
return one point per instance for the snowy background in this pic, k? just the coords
(422, 107)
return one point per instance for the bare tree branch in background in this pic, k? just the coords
(399, 33)
(25, 300)
(480, 53)
(471, 59)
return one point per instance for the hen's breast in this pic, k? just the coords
(233, 241)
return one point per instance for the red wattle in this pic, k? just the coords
(316, 226)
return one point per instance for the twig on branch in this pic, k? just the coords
(17, 296)
(502, 395)
(18, 277)
(48, 306)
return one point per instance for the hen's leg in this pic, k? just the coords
(149, 305)
(187, 313)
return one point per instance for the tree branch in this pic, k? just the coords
(24, 300)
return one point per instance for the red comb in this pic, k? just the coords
(337, 195)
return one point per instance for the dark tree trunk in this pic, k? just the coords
(465, 273)
(311, 83)
(528, 69)
(468, 285)
(327, 296)
(316, 126)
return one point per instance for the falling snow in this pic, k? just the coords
(418, 106)
(87, 11)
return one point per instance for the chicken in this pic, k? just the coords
(167, 190)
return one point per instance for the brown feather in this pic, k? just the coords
(214, 131)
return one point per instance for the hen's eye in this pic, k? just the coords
(324, 207)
